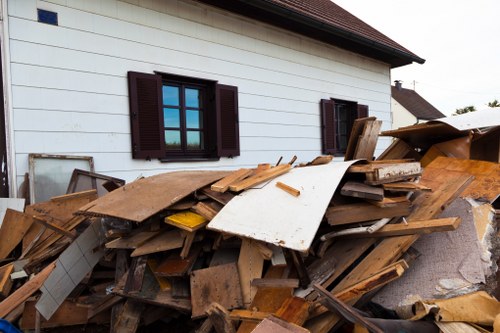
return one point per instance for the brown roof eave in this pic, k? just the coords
(284, 17)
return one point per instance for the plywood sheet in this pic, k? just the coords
(15, 204)
(12, 231)
(272, 215)
(145, 197)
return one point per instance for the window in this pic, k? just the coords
(175, 117)
(337, 118)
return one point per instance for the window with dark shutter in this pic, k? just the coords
(146, 117)
(328, 125)
(228, 143)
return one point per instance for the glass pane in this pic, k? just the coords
(342, 128)
(171, 117)
(194, 140)
(171, 95)
(194, 119)
(342, 142)
(192, 98)
(173, 139)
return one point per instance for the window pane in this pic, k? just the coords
(173, 139)
(171, 117)
(171, 95)
(194, 140)
(192, 97)
(194, 119)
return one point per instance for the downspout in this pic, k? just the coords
(7, 92)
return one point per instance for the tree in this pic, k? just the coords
(494, 104)
(467, 109)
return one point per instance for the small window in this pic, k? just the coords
(182, 118)
(337, 118)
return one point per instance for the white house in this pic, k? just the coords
(409, 108)
(146, 86)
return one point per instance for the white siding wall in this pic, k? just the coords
(70, 89)
(401, 116)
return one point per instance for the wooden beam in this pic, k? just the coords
(205, 210)
(129, 317)
(363, 211)
(54, 227)
(260, 178)
(360, 190)
(288, 189)
(223, 184)
(220, 319)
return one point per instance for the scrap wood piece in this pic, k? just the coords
(416, 227)
(360, 190)
(15, 225)
(143, 198)
(294, 310)
(222, 198)
(206, 210)
(399, 149)
(133, 241)
(389, 201)
(260, 178)
(236, 176)
(373, 282)
(324, 159)
(186, 220)
(215, 284)
(276, 325)
(68, 314)
(363, 211)
(163, 282)
(447, 185)
(5, 280)
(135, 274)
(458, 327)
(405, 187)
(175, 266)
(250, 266)
(295, 261)
(337, 306)
(279, 220)
(367, 141)
(25, 291)
(219, 316)
(357, 130)
(288, 189)
(391, 173)
(129, 317)
(167, 240)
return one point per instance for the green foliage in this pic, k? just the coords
(467, 109)
(494, 104)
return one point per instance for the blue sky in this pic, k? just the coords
(459, 40)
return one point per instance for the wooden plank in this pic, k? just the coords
(446, 185)
(405, 187)
(223, 184)
(276, 325)
(187, 220)
(164, 283)
(175, 266)
(361, 212)
(360, 190)
(260, 178)
(54, 227)
(367, 142)
(249, 315)
(250, 266)
(25, 291)
(356, 131)
(146, 197)
(205, 210)
(294, 310)
(136, 274)
(416, 227)
(188, 242)
(133, 241)
(167, 240)
(222, 198)
(129, 317)
(288, 189)
(68, 314)
(389, 201)
(14, 227)
(273, 283)
(399, 149)
(5, 280)
(219, 317)
(215, 284)
(389, 172)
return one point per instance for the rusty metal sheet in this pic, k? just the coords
(145, 197)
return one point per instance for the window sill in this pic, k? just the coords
(189, 159)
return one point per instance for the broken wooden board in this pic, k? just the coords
(5, 280)
(367, 141)
(399, 149)
(446, 185)
(222, 198)
(146, 197)
(356, 138)
(167, 240)
(416, 227)
(223, 184)
(215, 284)
(208, 211)
(260, 177)
(275, 325)
(10, 203)
(486, 185)
(133, 241)
(14, 227)
(186, 220)
(405, 187)
(250, 266)
(363, 211)
(360, 190)
(68, 314)
(175, 266)
(273, 216)
(393, 173)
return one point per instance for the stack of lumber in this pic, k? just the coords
(145, 256)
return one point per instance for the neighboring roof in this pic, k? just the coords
(415, 104)
(325, 21)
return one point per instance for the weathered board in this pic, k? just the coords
(272, 215)
(15, 225)
(145, 197)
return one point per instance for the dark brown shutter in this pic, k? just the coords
(228, 136)
(328, 126)
(362, 111)
(146, 115)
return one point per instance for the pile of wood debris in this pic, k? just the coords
(279, 248)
